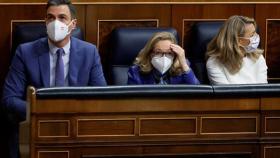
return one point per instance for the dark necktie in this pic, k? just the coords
(59, 69)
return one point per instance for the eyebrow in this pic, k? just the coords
(62, 15)
(160, 51)
(49, 14)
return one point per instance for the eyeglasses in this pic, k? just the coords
(161, 53)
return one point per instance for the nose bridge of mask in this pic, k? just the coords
(254, 39)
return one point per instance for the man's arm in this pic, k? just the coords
(96, 72)
(14, 90)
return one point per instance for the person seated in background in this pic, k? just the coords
(233, 56)
(57, 60)
(161, 61)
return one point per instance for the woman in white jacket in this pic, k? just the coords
(233, 56)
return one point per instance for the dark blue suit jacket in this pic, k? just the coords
(136, 77)
(31, 66)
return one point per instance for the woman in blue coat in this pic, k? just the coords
(161, 61)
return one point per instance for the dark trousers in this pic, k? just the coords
(9, 136)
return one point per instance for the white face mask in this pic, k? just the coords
(162, 62)
(57, 30)
(253, 45)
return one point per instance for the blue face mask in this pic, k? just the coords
(253, 45)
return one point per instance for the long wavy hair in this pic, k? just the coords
(143, 60)
(225, 45)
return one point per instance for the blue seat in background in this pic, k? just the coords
(201, 34)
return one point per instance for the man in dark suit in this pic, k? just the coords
(56, 60)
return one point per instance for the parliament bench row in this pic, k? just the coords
(125, 44)
(156, 120)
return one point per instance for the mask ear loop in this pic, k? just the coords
(69, 31)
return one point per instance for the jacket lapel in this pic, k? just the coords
(75, 63)
(44, 62)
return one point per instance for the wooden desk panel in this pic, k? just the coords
(144, 105)
(149, 126)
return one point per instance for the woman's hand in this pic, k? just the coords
(180, 52)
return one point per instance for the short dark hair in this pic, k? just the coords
(63, 2)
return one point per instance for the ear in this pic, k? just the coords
(46, 21)
(74, 24)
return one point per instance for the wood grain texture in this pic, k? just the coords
(150, 125)
(144, 105)
(268, 17)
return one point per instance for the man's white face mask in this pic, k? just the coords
(57, 30)
(162, 62)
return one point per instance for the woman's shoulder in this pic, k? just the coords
(134, 67)
(212, 60)
(261, 59)
(136, 70)
(213, 63)
(256, 59)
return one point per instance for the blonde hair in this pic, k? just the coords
(143, 60)
(225, 45)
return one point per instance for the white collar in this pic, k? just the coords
(53, 48)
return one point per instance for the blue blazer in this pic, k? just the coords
(31, 66)
(136, 77)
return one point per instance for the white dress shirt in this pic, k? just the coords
(250, 73)
(53, 58)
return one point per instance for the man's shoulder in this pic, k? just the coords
(34, 43)
(82, 44)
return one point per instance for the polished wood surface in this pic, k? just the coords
(145, 104)
(149, 125)
(268, 22)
